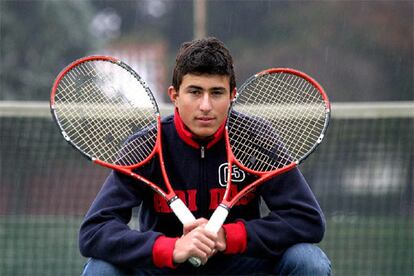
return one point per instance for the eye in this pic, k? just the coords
(194, 91)
(218, 93)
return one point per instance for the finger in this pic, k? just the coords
(221, 246)
(201, 254)
(209, 234)
(202, 221)
(212, 253)
(205, 239)
(206, 246)
(188, 227)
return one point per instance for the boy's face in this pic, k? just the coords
(203, 102)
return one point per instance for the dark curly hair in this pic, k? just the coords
(203, 56)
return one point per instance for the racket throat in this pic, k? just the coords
(224, 206)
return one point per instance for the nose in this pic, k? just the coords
(205, 104)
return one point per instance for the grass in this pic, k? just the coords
(370, 245)
(47, 245)
(39, 246)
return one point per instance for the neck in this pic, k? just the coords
(187, 136)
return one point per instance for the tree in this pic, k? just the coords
(38, 38)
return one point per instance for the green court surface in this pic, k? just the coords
(47, 245)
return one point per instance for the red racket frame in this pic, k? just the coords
(220, 214)
(263, 176)
(182, 212)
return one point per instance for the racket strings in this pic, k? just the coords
(86, 95)
(100, 107)
(309, 96)
(255, 149)
(137, 149)
(276, 119)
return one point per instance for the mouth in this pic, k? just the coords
(205, 119)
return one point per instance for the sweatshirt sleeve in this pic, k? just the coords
(294, 217)
(105, 234)
(236, 237)
(163, 252)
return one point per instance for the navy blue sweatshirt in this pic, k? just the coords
(197, 173)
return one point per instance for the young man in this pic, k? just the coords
(195, 156)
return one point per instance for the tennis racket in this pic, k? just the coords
(107, 112)
(278, 118)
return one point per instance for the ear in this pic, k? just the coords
(233, 94)
(173, 94)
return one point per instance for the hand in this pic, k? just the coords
(221, 243)
(195, 242)
(187, 228)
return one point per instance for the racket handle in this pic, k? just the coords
(195, 261)
(213, 225)
(217, 219)
(181, 211)
(185, 216)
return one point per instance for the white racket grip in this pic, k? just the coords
(181, 211)
(217, 219)
(185, 216)
(213, 225)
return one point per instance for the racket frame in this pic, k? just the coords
(220, 214)
(176, 204)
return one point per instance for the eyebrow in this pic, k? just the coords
(215, 88)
